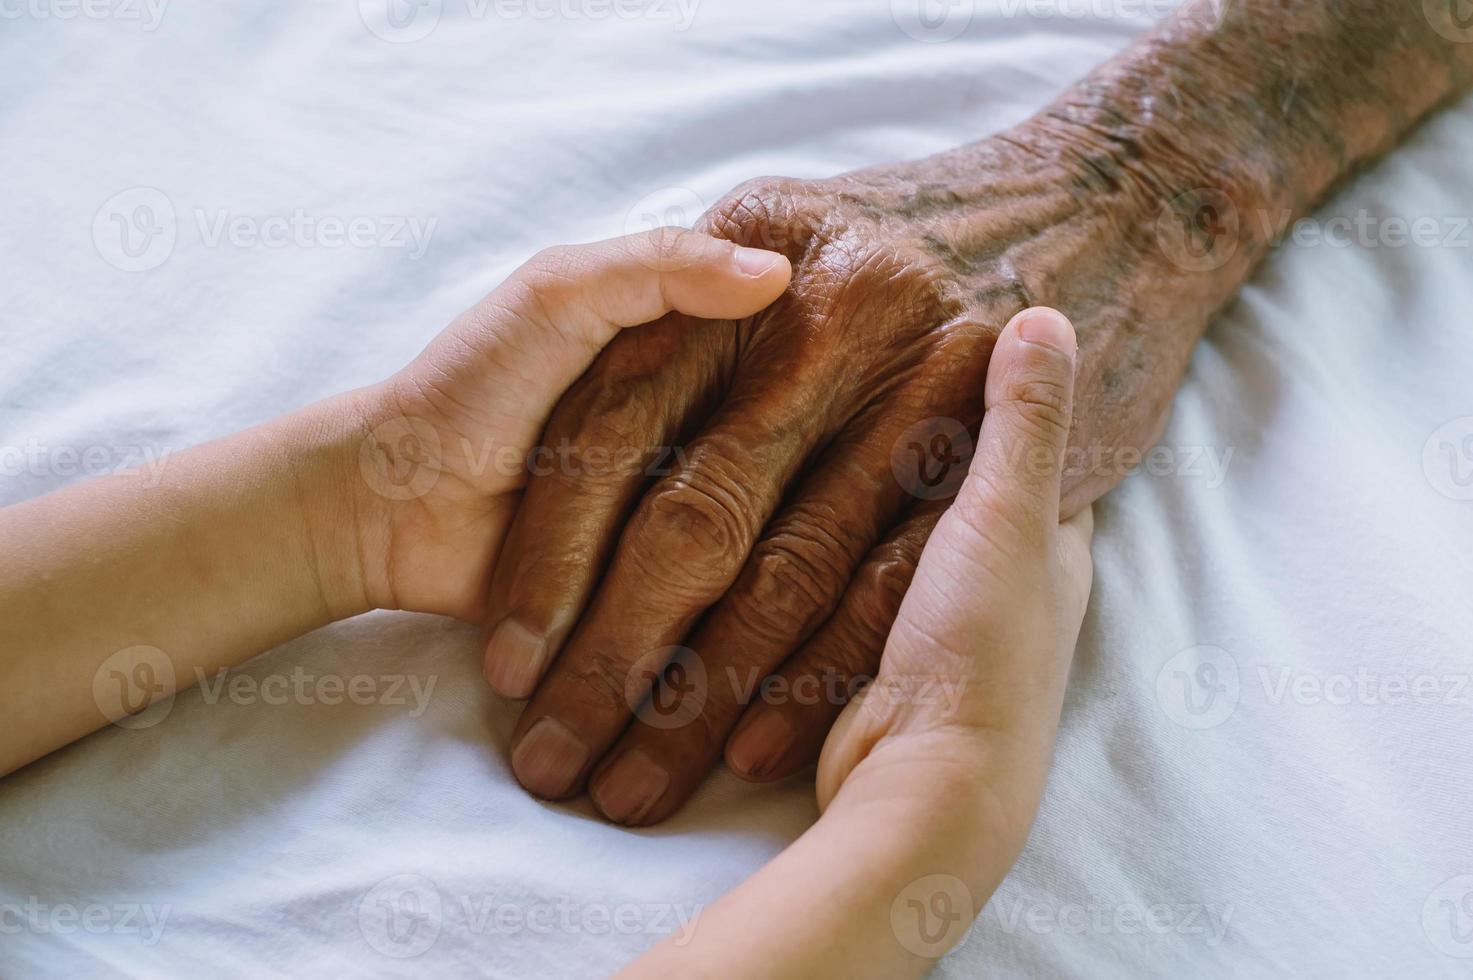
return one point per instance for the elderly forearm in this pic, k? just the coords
(1254, 109)
(1141, 199)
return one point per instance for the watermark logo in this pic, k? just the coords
(1291, 684)
(1199, 687)
(407, 21)
(930, 459)
(942, 694)
(133, 687)
(400, 21)
(36, 458)
(148, 14)
(401, 458)
(1194, 920)
(1211, 13)
(404, 916)
(1215, 12)
(664, 217)
(933, 21)
(401, 916)
(668, 687)
(145, 921)
(1447, 917)
(1198, 230)
(1201, 230)
(666, 207)
(931, 915)
(301, 229)
(1447, 459)
(1453, 19)
(135, 230)
(303, 688)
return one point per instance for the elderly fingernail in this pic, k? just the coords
(1047, 328)
(757, 749)
(549, 758)
(756, 262)
(514, 659)
(630, 787)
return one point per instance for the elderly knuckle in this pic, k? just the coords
(880, 586)
(889, 280)
(690, 537)
(796, 579)
(606, 408)
(598, 679)
(768, 212)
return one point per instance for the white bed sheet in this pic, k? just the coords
(1215, 810)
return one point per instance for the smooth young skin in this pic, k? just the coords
(1139, 202)
(927, 803)
(254, 539)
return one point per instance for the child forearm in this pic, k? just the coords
(118, 591)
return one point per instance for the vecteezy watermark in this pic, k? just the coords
(664, 217)
(401, 916)
(667, 688)
(1453, 19)
(147, 14)
(1199, 230)
(134, 687)
(1447, 459)
(1199, 687)
(1207, 922)
(407, 21)
(404, 915)
(36, 458)
(301, 687)
(932, 914)
(943, 693)
(668, 207)
(137, 230)
(930, 458)
(1092, 9)
(1208, 464)
(1288, 684)
(933, 21)
(140, 919)
(1447, 917)
(1202, 686)
(1363, 229)
(401, 458)
(1203, 229)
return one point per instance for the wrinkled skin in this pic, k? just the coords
(783, 506)
(782, 538)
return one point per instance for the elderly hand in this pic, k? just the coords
(928, 800)
(814, 443)
(452, 434)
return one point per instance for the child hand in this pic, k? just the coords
(450, 435)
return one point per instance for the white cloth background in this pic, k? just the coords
(1216, 809)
